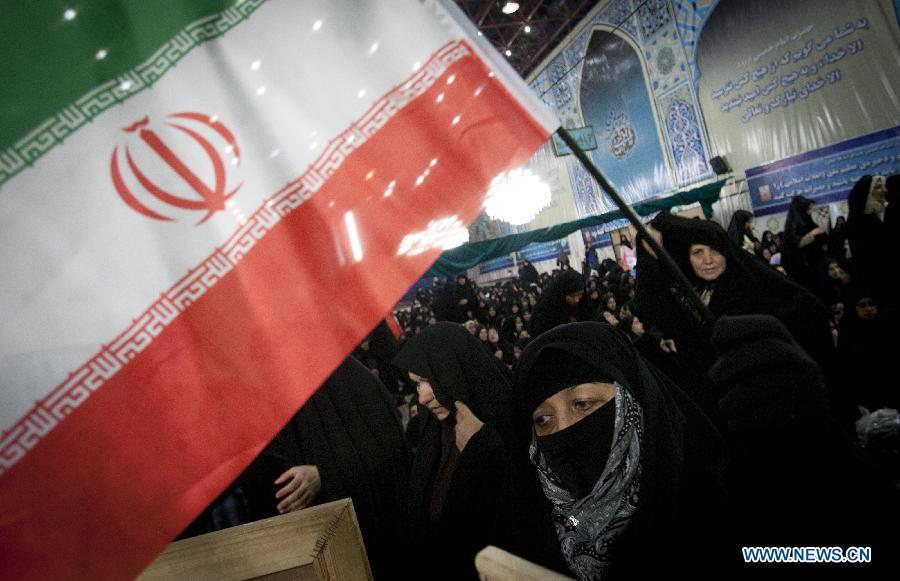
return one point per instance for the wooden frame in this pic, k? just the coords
(321, 543)
(495, 564)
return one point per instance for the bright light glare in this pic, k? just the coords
(443, 234)
(516, 197)
(353, 235)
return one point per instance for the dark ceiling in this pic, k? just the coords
(549, 21)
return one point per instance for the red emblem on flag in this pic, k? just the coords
(190, 191)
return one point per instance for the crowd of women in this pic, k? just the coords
(596, 424)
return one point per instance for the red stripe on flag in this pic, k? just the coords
(121, 476)
(393, 325)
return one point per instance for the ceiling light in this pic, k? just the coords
(517, 197)
(508, 52)
(527, 29)
(510, 7)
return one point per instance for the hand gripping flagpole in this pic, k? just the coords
(661, 254)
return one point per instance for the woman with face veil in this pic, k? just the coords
(456, 476)
(628, 470)
(629, 478)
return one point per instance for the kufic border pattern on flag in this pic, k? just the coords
(79, 385)
(54, 130)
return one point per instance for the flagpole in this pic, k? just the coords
(663, 256)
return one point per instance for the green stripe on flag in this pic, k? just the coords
(65, 62)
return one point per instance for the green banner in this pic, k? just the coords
(464, 257)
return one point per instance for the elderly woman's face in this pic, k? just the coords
(569, 406)
(707, 262)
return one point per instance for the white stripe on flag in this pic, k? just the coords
(173, 273)
(75, 390)
(66, 254)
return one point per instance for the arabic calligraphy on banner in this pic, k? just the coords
(495, 264)
(825, 175)
(796, 76)
(534, 252)
(799, 82)
(538, 251)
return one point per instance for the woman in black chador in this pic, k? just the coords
(870, 246)
(346, 441)
(560, 303)
(867, 345)
(617, 473)
(804, 243)
(731, 283)
(528, 274)
(456, 477)
(740, 231)
(457, 302)
(615, 469)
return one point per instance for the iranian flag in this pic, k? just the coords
(204, 206)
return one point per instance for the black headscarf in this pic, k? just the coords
(737, 228)
(798, 221)
(382, 348)
(624, 326)
(350, 430)
(892, 183)
(459, 368)
(869, 244)
(801, 264)
(866, 349)
(447, 307)
(453, 495)
(746, 287)
(837, 239)
(552, 309)
(528, 274)
(682, 457)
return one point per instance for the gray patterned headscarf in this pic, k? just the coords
(588, 527)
